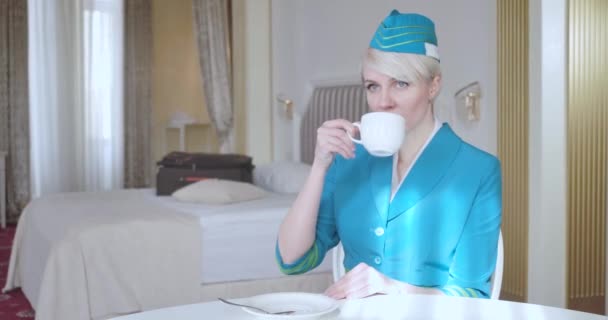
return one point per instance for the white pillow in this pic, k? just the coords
(216, 191)
(281, 176)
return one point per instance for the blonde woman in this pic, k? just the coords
(426, 220)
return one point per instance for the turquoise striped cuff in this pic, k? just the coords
(457, 291)
(307, 262)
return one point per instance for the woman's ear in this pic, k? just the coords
(434, 87)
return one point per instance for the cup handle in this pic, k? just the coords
(358, 125)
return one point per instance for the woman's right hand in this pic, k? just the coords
(332, 139)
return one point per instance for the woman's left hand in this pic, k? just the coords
(362, 281)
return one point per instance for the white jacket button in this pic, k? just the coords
(379, 231)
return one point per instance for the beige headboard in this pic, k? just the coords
(326, 103)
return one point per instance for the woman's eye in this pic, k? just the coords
(402, 84)
(372, 87)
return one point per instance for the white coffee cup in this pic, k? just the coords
(381, 133)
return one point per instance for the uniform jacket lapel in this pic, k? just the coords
(426, 173)
(381, 170)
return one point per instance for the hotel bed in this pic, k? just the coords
(101, 254)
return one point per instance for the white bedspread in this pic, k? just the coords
(238, 240)
(104, 262)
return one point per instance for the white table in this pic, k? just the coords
(387, 308)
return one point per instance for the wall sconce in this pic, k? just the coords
(287, 106)
(467, 101)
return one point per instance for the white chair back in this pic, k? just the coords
(337, 261)
(495, 281)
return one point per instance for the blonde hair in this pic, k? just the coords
(411, 68)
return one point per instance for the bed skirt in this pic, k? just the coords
(315, 283)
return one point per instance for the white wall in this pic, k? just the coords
(547, 149)
(323, 40)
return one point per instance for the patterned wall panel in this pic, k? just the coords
(587, 153)
(513, 125)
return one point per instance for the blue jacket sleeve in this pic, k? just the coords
(475, 255)
(326, 236)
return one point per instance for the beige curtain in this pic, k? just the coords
(138, 99)
(14, 116)
(212, 30)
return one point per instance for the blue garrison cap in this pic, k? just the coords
(406, 33)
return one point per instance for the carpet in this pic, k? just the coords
(13, 305)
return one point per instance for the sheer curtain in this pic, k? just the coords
(76, 114)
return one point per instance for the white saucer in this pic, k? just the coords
(305, 305)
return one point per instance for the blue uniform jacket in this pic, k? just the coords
(441, 229)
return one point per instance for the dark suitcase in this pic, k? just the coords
(178, 169)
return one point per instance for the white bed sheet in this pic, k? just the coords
(238, 240)
(93, 255)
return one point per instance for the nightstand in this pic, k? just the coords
(3, 188)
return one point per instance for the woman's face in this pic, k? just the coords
(411, 101)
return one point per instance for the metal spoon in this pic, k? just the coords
(255, 308)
